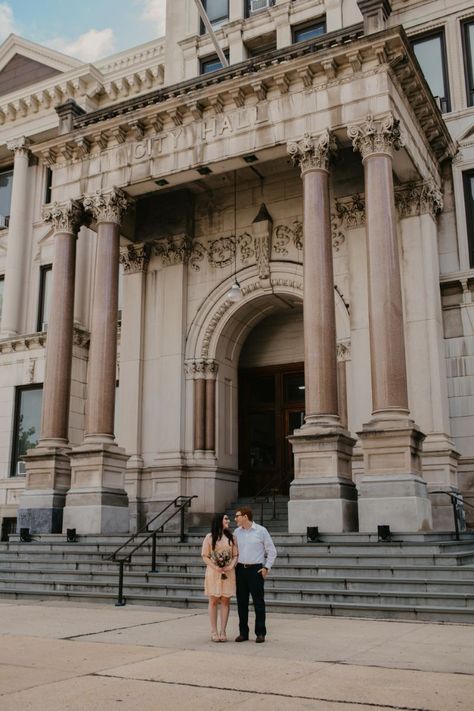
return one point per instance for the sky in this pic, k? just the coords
(86, 29)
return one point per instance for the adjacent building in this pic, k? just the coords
(218, 281)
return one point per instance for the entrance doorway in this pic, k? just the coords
(271, 407)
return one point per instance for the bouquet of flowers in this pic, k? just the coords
(221, 559)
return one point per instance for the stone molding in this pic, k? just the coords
(108, 206)
(419, 199)
(66, 217)
(343, 351)
(201, 369)
(376, 136)
(134, 258)
(19, 145)
(313, 153)
(179, 249)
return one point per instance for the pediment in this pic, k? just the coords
(24, 63)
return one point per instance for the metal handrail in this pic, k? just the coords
(454, 498)
(271, 489)
(181, 503)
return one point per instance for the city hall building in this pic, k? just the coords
(225, 280)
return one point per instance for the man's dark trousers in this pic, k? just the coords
(250, 582)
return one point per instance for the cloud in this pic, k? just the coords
(155, 11)
(7, 22)
(90, 46)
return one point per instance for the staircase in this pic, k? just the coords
(425, 577)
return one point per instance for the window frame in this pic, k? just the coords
(307, 26)
(2, 281)
(210, 58)
(215, 23)
(467, 176)
(16, 421)
(248, 12)
(3, 171)
(44, 269)
(468, 61)
(437, 32)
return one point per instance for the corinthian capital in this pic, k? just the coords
(19, 145)
(108, 206)
(65, 217)
(134, 258)
(313, 152)
(376, 135)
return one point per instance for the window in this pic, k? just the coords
(2, 289)
(253, 6)
(27, 424)
(468, 178)
(306, 32)
(211, 64)
(431, 54)
(217, 12)
(48, 185)
(46, 274)
(468, 37)
(6, 181)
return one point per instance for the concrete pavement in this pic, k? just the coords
(80, 657)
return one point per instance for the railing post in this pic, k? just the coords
(121, 600)
(182, 536)
(456, 522)
(153, 553)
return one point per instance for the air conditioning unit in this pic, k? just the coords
(44, 326)
(3, 222)
(256, 5)
(20, 468)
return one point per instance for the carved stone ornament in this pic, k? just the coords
(109, 206)
(19, 145)
(284, 235)
(313, 153)
(65, 217)
(201, 369)
(343, 351)
(376, 135)
(135, 257)
(419, 199)
(180, 249)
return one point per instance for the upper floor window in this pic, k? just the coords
(430, 51)
(44, 300)
(211, 64)
(468, 178)
(48, 184)
(306, 32)
(27, 424)
(468, 37)
(217, 12)
(253, 6)
(6, 181)
(2, 287)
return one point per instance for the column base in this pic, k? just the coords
(322, 493)
(48, 477)
(97, 501)
(440, 465)
(392, 490)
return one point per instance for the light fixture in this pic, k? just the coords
(204, 170)
(250, 158)
(235, 293)
(312, 534)
(384, 534)
(162, 182)
(25, 536)
(71, 535)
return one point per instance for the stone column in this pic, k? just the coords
(47, 466)
(199, 414)
(97, 501)
(322, 492)
(205, 373)
(17, 247)
(211, 374)
(134, 260)
(392, 490)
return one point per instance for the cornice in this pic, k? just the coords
(320, 63)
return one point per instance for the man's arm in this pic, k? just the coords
(270, 550)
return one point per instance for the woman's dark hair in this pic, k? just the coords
(217, 530)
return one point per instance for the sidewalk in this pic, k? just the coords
(61, 656)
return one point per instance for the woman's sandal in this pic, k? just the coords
(215, 637)
(222, 637)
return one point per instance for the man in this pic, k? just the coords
(257, 554)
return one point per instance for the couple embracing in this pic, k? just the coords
(239, 561)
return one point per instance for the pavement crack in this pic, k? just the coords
(129, 627)
(275, 694)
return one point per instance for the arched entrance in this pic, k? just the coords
(271, 402)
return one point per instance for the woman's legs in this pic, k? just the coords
(213, 603)
(225, 607)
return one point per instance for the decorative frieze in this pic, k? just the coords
(65, 217)
(203, 369)
(313, 153)
(419, 199)
(376, 135)
(180, 249)
(135, 257)
(109, 206)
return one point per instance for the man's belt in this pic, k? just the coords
(251, 565)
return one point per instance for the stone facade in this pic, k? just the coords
(318, 177)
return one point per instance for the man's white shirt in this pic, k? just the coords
(255, 545)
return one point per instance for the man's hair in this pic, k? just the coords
(246, 511)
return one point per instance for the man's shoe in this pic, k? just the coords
(260, 638)
(241, 638)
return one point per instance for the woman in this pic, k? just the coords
(219, 552)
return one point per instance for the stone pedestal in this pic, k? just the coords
(322, 493)
(440, 465)
(47, 482)
(392, 490)
(97, 501)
